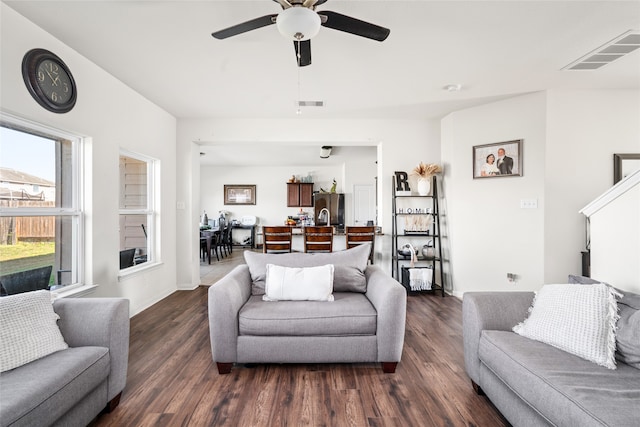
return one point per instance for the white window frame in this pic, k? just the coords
(153, 168)
(76, 211)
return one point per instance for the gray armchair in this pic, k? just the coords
(356, 327)
(71, 387)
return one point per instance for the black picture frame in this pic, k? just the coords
(239, 194)
(510, 166)
(624, 164)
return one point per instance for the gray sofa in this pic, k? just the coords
(535, 384)
(366, 326)
(71, 387)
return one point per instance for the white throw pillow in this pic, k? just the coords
(299, 284)
(28, 329)
(579, 319)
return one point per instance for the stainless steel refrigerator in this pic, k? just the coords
(334, 202)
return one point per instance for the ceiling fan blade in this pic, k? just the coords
(254, 24)
(340, 22)
(305, 53)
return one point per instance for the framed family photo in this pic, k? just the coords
(497, 160)
(239, 194)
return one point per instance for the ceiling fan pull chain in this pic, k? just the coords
(298, 110)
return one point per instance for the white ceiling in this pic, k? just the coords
(164, 50)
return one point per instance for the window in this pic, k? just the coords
(40, 207)
(137, 209)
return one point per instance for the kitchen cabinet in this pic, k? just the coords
(300, 194)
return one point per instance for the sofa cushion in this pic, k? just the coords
(299, 284)
(29, 329)
(565, 389)
(47, 388)
(349, 266)
(349, 314)
(578, 319)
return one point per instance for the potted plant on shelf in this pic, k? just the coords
(424, 172)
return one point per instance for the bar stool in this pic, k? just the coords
(357, 235)
(318, 239)
(276, 239)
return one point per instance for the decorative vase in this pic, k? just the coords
(424, 186)
(428, 250)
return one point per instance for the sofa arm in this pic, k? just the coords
(390, 301)
(102, 322)
(489, 311)
(226, 298)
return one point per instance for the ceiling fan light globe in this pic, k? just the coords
(298, 23)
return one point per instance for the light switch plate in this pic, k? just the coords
(528, 203)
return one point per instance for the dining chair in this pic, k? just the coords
(276, 239)
(208, 242)
(218, 243)
(227, 240)
(318, 239)
(357, 235)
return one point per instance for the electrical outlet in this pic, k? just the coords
(528, 203)
(180, 205)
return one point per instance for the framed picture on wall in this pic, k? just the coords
(239, 194)
(498, 160)
(625, 164)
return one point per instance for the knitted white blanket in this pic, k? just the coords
(420, 279)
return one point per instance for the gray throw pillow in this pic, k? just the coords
(628, 326)
(349, 266)
(582, 280)
(628, 332)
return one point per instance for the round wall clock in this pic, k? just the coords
(49, 80)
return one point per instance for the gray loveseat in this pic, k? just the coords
(365, 323)
(71, 387)
(535, 384)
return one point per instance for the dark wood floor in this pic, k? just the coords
(172, 380)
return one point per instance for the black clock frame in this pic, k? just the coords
(30, 64)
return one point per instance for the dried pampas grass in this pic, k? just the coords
(425, 171)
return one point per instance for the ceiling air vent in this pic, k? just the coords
(607, 53)
(310, 103)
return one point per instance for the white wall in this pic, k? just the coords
(271, 190)
(488, 234)
(111, 116)
(615, 241)
(401, 145)
(584, 130)
(569, 139)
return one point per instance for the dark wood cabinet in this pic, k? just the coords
(300, 194)
(306, 195)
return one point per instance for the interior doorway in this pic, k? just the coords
(364, 204)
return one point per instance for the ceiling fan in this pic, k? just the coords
(300, 22)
